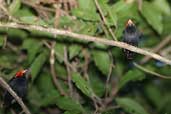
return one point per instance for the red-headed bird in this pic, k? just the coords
(19, 84)
(130, 36)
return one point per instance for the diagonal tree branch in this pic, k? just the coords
(87, 38)
(18, 99)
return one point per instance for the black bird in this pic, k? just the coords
(130, 36)
(19, 84)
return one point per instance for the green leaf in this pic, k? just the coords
(69, 104)
(163, 6)
(34, 97)
(131, 106)
(86, 10)
(44, 83)
(59, 52)
(38, 63)
(50, 98)
(97, 84)
(33, 20)
(102, 61)
(110, 16)
(132, 75)
(74, 51)
(33, 47)
(153, 16)
(15, 6)
(82, 84)
(16, 33)
(1, 40)
(154, 94)
(86, 15)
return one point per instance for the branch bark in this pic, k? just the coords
(87, 38)
(18, 99)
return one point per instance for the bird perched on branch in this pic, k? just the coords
(19, 84)
(130, 36)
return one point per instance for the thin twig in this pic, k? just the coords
(52, 69)
(140, 2)
(151, 72)
(109, 75)
(68, 71)
(87, 38)
(8, 14)
(157, 48)
(166, 52)
(85, 66)
(29, 3)
(18, 99)
(104, 19)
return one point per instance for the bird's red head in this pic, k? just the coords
(20, 73)
(129, 23)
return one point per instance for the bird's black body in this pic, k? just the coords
(130, 36)
(19, 85)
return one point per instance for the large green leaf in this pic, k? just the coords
(38, 63)
(82, 84)
(102, 61)
(153, 16)
(131, 106)
(163, 6)
(33, 47)
(131, 76)
(154, 94)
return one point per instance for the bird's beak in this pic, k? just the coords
(27, 73)
(129, 23)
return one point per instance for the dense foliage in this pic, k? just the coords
(86, 77)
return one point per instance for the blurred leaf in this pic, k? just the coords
(61, 70)
(130, 106)
(24, 11)
(69, 104)
(34, 97)
(38, 63)
(110, 16)
(131, 76)
(153, 16)
(1, 40)
(59, 52)
(82, 84)
(14, 6)
(74, 51)
(50, 98)
(16, 33)
(88, 15)
(154, 94)
(163, 6)
(102, 61)
(33, 47)
(33, 20)
(97, 84)
(44, 83)
(86, 10)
